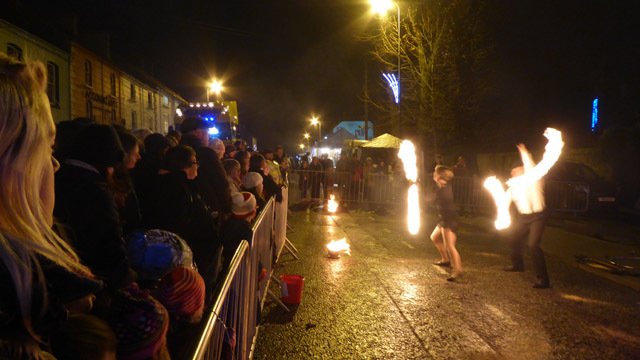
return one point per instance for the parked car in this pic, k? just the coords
(573, 186)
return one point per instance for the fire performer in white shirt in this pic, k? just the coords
(528, 197)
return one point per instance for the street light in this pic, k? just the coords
(215, 86)
(306, 136)
(381, 7)
(315, 121)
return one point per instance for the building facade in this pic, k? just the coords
(24, 46)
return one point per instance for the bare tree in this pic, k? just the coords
(440, 50)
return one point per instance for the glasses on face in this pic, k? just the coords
(196, 163)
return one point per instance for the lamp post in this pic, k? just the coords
(315, 121)
(306, 136)
(381, 7)
(215, 86)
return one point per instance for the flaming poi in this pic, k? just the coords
(407, 154)
(337, 247)
(532, 173)
(332, 205)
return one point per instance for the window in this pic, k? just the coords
(134, 121)
(89, 109)
(113, 85)
(133, 92)
(14, 51)
(165, 101)
(53, 84)
(113, 116)
(149, 99)
(87, 73)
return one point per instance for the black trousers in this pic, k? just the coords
(529, 227)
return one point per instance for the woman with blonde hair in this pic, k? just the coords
(41, 278)
(444, 235)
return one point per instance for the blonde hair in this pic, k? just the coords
(27, 132)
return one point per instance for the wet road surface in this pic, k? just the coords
(387, 300)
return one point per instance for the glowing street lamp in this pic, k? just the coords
(215, 87)
(315, 121)
(306, 136)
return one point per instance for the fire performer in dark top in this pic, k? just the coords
(444, 235)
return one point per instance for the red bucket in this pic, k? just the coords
(291, 288)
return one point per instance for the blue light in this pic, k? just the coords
(395, 87)
(594, 115)
(213, 131)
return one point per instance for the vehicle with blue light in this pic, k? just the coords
(223, 115)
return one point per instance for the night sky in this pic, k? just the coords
(283, 61)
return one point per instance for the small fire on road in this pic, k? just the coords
(332, 205)
(338, 247)
(407, 154)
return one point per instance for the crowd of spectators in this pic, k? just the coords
(83, 272)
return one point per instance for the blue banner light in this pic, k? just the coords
(393, 82)
(594, 115)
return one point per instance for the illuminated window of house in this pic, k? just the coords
(113, 85)
(165, 101)
(133, 92)
(113, 115)
(149, 99)
(14, 51)
(87, 73)
(53, 84)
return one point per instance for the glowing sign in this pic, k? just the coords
(594, 115)
(395, 86)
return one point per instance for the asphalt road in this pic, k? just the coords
(387, 300)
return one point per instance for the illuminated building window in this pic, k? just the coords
(133, 92)
(88, 75)
(53, 84)
(134, 120)
(165, 101)
(14, 51)
(113, 84)
(113, 115)
(149, 101)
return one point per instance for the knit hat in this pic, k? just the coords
(217, 145)
(140, 323)
(154, 253)
(251, 180)
(181, 291)
(242, 204)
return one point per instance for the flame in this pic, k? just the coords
(532, 173)
(340, 245)
(407, 154)
(413, 216)
(332, 205)
(552, 152)
(502, 202)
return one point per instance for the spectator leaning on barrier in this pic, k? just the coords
(181, 210)
(86, 204)
(41, 277)
(274, 167)
(238, 226)
(257, 164)
(253, 183)
(211, 181)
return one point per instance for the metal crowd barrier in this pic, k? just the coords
(239, 297)
(469, 192)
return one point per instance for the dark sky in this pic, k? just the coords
(284, 60)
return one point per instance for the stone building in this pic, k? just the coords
(24, 46)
